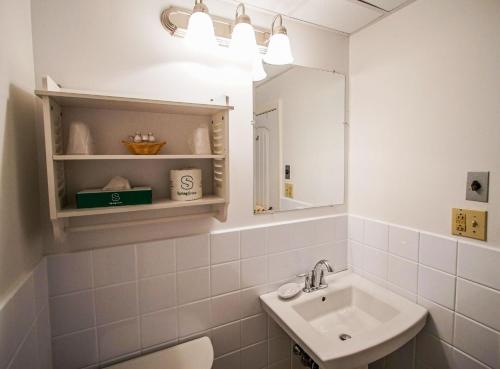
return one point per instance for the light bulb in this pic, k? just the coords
(243, 41)
(279, 51)
(200, 32)
(258, 72)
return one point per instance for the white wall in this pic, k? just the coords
(424, 110)
(311, 108)
(120, 46)
(20, 241)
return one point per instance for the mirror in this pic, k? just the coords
(298, 133)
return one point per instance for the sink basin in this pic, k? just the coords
(349, 324)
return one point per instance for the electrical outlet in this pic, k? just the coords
(289, 190)
(469, 223)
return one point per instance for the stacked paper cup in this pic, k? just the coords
(199, 143)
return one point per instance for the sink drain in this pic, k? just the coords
(344, 337)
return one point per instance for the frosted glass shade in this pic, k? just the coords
(258, 72)
(279, 51)
(243, 41)
(200, 32)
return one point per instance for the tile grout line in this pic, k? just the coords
(22, 342)
(137, 295)
(92, 283)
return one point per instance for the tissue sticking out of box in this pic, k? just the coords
(117, 183)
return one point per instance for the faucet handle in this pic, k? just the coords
(308, 280)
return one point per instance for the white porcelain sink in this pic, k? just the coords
(377, 321)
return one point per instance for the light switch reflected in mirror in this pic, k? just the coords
(298, 136)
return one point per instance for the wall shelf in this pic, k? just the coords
(109, 118)
(135, 157)
(95, 100)
(156, 205)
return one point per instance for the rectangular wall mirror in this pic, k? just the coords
(298, 134)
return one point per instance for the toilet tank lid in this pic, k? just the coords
(196, 354)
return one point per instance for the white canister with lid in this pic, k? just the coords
(185, 184)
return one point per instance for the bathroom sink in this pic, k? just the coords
(348, 324)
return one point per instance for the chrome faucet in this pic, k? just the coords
(315, 279)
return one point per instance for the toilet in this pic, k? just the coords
(196, 354)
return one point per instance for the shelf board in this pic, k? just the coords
(134, 157)
(156, 205)
(83, 99)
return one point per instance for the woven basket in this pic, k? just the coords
(144, 148)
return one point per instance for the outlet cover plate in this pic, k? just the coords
(480, 195)
(469, 223)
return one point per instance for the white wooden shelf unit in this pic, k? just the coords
(109, 117)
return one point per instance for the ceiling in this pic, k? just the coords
(346, 16)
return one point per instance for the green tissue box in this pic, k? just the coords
(98, 198)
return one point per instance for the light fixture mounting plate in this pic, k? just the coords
(175, 21)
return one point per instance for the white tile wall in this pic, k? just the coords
(477, 340)
(192, 252)
(114, 303)
(438, 252)
(69, 272)
(436, 286)
(402, 273)
(159, 327)
(440, 320)
(403, 242)
(457, 281)
(75, 350)
(193, 285)
(222, 247)
(479, 303)
(157, 293)
(156, 258)
(227, 338)
(114, 265)
(376, 235)
(111, 304)
(225, 278)
(123, 301)
(479, 264)
(25, 324)
(63, 307)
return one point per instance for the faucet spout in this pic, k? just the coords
(323, 264)
(318, 277)
(315, 279)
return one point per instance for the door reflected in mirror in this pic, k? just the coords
(298, 134)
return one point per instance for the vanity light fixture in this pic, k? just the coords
(175, 20)
(278, 50)
(246, 41)
(200, 31)
(243, 43)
